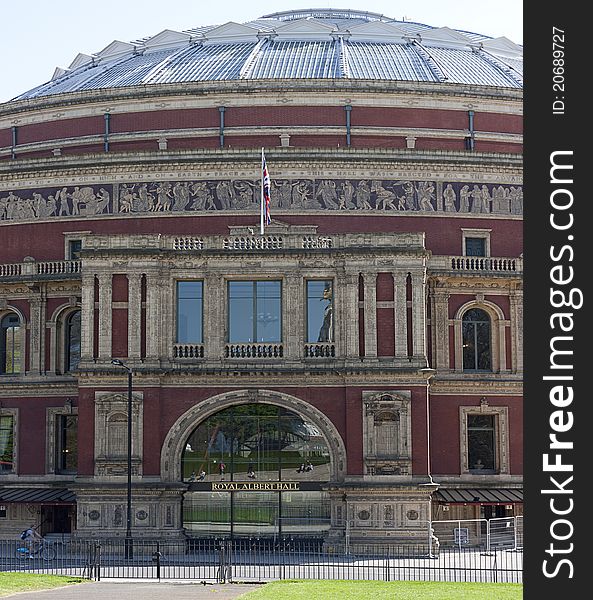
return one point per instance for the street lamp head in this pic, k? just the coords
(119, 363)
(427, 372)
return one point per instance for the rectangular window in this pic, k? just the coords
(66, 443)
(255, 311)
(10, 344)
(320, 321)
(74, 248)
(475, 246)
(3, 511)
(6, 444)
(189, 312)
(481, 443)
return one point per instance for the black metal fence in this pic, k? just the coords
(261, 560)
(77, 558)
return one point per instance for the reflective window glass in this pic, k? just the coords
(475, 246)
(10, 344)
(6, 443)
(255, 311)
(66, 443)
(320, 321)
(256, 442)
(477, 351)
(72, 342)
(481, 443)
(189, 312)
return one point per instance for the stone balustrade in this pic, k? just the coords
(477, 264)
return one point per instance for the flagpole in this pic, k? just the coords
(261, 204)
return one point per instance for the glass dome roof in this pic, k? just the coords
(301, 44)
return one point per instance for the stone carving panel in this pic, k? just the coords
(387, 432)
(111, 433)
(243, 194)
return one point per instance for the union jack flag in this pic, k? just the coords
(265, 181)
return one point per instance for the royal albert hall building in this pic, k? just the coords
(354, 370)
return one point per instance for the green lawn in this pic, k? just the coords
(381, 590)
(10, 583)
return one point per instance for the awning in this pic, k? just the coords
(37, 496)
(479, 495)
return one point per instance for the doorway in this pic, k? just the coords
(56, 519)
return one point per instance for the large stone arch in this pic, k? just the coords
(175, 440)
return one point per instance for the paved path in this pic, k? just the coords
(126, 590)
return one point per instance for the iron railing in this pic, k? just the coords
(260, 560)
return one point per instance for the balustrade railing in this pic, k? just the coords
(254, 351)
(188, 243)
(320, 350)
(310, 241)
(477, 264)
(58, 267)
(188, 351)
(33, 268)
(11, 270)
(269, 242)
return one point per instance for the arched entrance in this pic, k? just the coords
(257, 467)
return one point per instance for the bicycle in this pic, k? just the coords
(44, 550)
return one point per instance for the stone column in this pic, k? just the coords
(153, 315)
(400, 314)
(134, 314)
(516, 299)
(293, 325)
(502, 346)
(37, 334)
(418, 314)
(87, 317)
(439, 321)
(348, 290)
(214, 316)
(370, 314)
(105, 315)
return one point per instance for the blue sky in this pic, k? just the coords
(40, 35)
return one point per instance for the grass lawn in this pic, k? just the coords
(384, 590)
(11, 583)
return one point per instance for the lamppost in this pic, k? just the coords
(129, 552)
(429, 374)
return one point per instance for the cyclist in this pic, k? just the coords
(33, 540)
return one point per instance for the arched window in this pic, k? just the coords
(477, 341)
(260, 441)
(72, 341)
(256, 470)
(10, 344)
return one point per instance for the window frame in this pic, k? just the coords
(53, 443)
(500, 328)
(475, 336)
(72, 236)
(67, 340)
(475, 233)
(332, 339)
(59, 449)
(13, 414)
(501, 438)
(20, 333)
(254, 298)
(202, 299)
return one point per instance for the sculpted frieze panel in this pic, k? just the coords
(243, 194)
